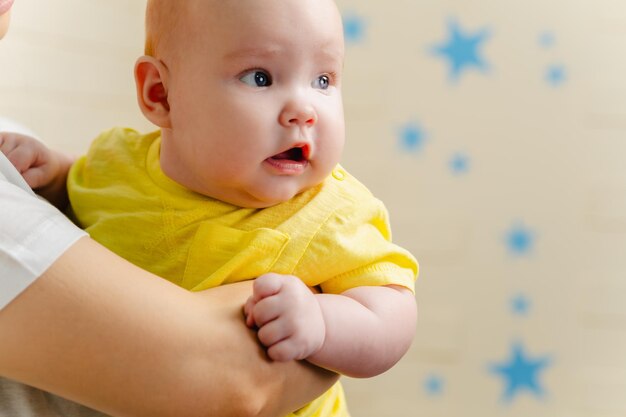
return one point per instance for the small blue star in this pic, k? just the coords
(520, 372)
(547, 39)
(461, 50)
(353, 28)
(520, 240)
(459, 164)
(412, 137)
(520, 305)
(556, 75)
(433, 385)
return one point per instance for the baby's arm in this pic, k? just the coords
(44, 170)
(360, 333)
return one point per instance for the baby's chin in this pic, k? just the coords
(260, 200)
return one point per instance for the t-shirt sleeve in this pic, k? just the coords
(353, 248)
(33, 234)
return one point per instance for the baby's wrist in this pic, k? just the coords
(318, 332)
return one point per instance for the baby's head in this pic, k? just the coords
(247, 94)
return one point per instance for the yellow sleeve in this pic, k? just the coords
(353, 248)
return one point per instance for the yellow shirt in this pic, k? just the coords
(334, 236)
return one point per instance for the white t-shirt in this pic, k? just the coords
(33, 234)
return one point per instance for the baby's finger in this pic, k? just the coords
(268, 309)
(247, 306)
(248, 310)
(267, 285)
(284, 351)
(272, 333)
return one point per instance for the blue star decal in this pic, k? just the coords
(412, 137)
(520, 372)
(520, 240)
(547, 39)
(353, 28)
(459, 164)
(461, 50)
(433, 385)
(520, 305)
(556, 75)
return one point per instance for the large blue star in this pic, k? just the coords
(520, 372)
(461, 50)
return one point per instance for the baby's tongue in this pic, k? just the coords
(282, 155)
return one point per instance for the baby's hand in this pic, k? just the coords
(38, 165)
(289, 318)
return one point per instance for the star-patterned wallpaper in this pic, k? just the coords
(495, 132)
(483, 128)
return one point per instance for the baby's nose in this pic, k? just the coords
(298, 114)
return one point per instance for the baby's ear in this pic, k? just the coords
(151, 82)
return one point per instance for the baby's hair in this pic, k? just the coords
(162, 17)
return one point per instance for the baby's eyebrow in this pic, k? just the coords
(257, 52)
(323, 50)
(330, 53)
(329, 49)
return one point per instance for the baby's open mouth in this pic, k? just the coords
(295, 154)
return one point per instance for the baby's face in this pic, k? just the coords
(255, 98)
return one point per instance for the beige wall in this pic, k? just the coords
(67, 68)
(545, 159)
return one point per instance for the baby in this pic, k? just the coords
(242, 181)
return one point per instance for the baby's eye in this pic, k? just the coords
(257, 78)
(322, 82)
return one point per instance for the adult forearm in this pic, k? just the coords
(266, 388)
(120, 340)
